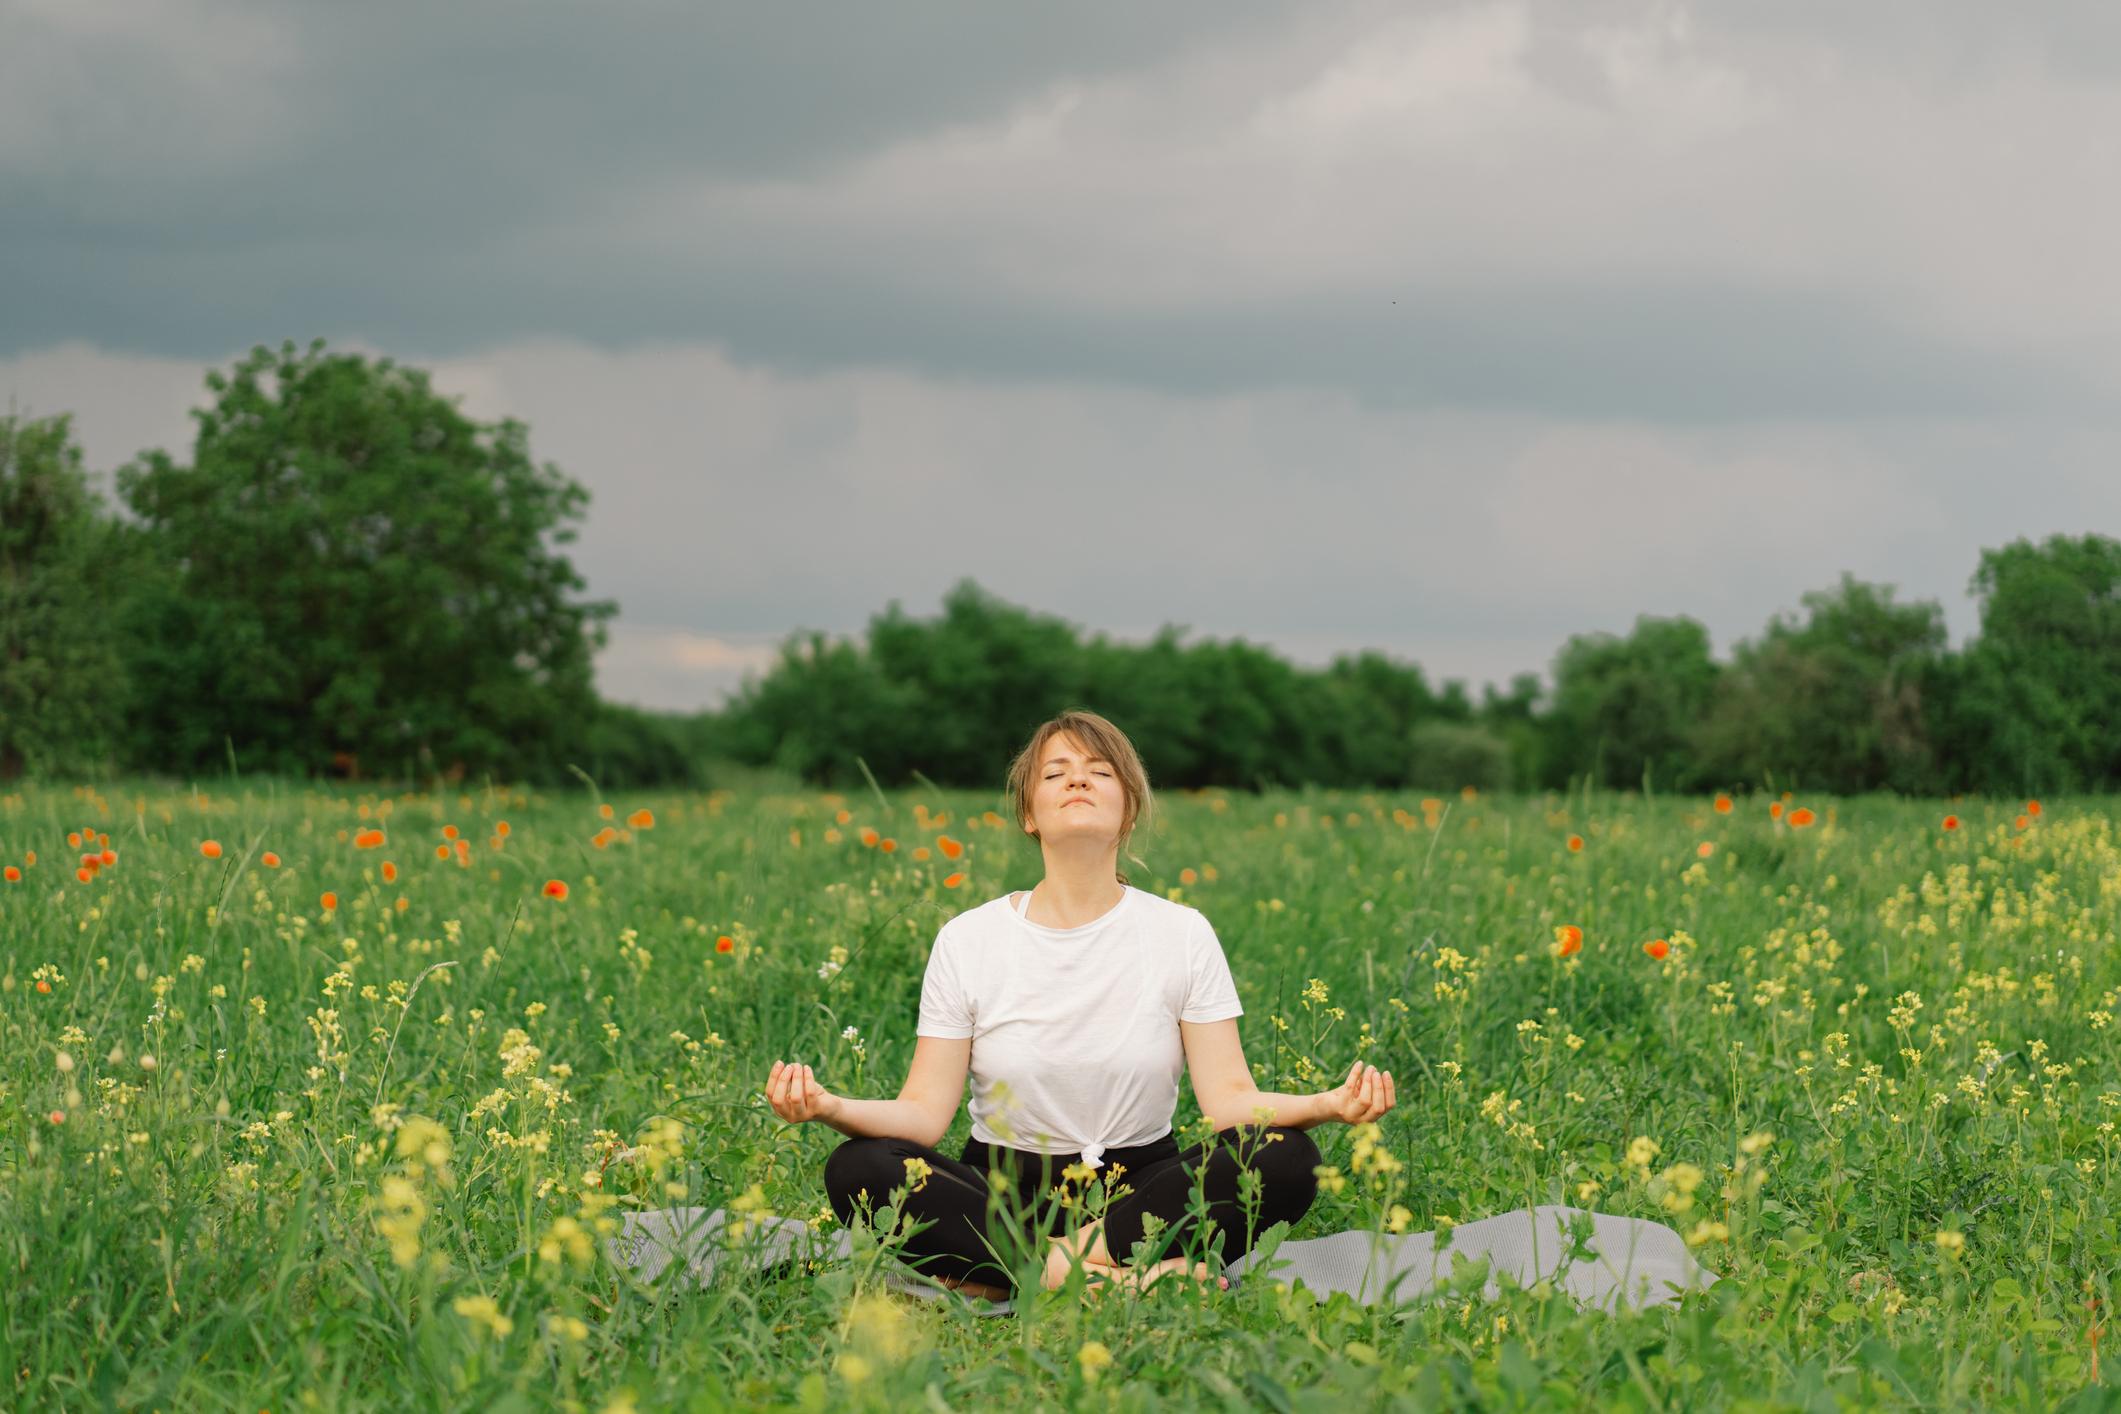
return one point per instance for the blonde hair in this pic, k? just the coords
(1101, 739)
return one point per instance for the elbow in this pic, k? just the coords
(1231, 1108)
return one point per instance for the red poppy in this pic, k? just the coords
(1774, 810)
(951, 848)
(1800, 817)
(330, 901)
(555, 888)
(641, 820)
(1951, 822)
(953, 881)
(1723, 805)
(725, 943)
(1657, 948)
(210, 848)
(1568, 938)
(390, 872)
(270, 860)
(1575, 844)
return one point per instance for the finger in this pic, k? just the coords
(1391, 1091)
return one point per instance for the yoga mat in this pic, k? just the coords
(1628, 1261)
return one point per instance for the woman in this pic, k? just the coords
(1073, 1008)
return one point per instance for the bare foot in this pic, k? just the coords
(1141, 1279)
(976, 1288)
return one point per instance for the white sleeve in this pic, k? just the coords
(1211, 993)
(946, 1009)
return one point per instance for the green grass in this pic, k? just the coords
(266, 1218)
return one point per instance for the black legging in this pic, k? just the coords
(954, 1198)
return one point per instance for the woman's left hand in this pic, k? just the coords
(1366, 1094)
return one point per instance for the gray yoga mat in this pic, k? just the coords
(1626, 1261)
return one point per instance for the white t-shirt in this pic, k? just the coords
(1075, 1044)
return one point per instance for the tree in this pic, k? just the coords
(1624, 707)
(62, 677)
(2041, 686)
(1835, 700)
(350, 565)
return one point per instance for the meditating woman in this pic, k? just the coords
(1073, 1006)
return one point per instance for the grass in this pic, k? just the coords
(258, 1154)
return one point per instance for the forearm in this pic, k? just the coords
(1286, 1111)
(882, 1119)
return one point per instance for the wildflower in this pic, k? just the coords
(1723, 805)
(2025, 822)
(2032, 807)
(1093, 1357)
(642, 819)
(57, 1116)
(1774, 810)
(1951, 822)
(14, 875)
(917, 1171)
(953, 880)
(390, 872)
(1575, 844)
(210, 848)
(869, 837)
(329, 901)
(367, 839)
(887, 845)
(1708, 1230)
(1568, 938)
(1705, 849)
(1657, 948)
(500, 829)
(1753, 1143)
(555, 888)
(1329, 1178)
(270, 860)
(725, 943)
(484, 1311)
(1950, 1243)
(1800, 817)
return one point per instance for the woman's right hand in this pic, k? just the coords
(796, 1096)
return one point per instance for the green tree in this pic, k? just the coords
(1624, 707)
(2040, 691)
(62, 676)
(350, 565)
(1834, 700)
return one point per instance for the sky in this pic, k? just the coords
(1444, 330)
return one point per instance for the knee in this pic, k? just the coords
(860, 1166)
(1287, 1160)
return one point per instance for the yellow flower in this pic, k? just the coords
(1951, 1244)
(484, 1311)
(1093, 1357)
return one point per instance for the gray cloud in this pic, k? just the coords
(1448, 330)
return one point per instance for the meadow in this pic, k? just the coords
(312, 1098)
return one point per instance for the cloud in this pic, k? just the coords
(1640, 211)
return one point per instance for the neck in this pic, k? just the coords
(1079, 887)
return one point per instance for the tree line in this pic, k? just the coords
(349, 577)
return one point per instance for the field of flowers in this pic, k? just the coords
(313, 1099)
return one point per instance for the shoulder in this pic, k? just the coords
(1163, 913)
(976, 919)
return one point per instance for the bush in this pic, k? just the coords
(1448, 755)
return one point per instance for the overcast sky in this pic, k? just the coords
(1443, 329)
